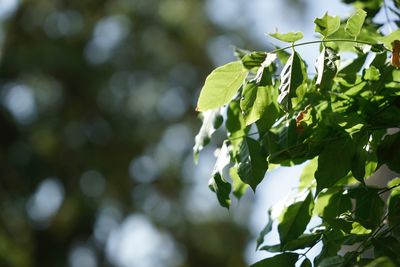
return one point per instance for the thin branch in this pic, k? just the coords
(324, 41)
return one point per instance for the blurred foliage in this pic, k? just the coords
(89, 91)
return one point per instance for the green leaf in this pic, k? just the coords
(394, 207)
(381, 262)
(239, 188)
(389, 152)
(253, 59)
(258, 100)
(388, 39)
(235, 126)
(355, 22)
(265, 231)
(281, 260)
(217, 182)
(330, 169)
(303, 241)
(332, 242)
(294, 219)
(369, 206)
(332, 203)
(221, 86)
(293, 76)
(387, 246)
(290, 37)
(327, 25)
(371, 74)
(335, 261)
(252, 163)
(307, 176)
(326, 68)
(212, 120)
(306, 263)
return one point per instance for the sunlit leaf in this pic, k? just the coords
(355, 22)
(290, 37)
(221, 86)
(239, 188)
(327, 25)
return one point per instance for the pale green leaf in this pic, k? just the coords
(290, 37)
(327, 25)
(221, 86)
(307, 176)
(355, 22)
(239, 188)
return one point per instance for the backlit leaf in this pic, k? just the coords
(327, 25)
(355, 22)
(290, 37)
(221, 86)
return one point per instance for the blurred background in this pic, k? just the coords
(97, 124)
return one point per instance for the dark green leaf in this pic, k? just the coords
(389, 152)
(294, 219)
(303, 241)
(332, 242)
(335, 261)
(327, 25)
(217, 182)
(293, 76)
(265, 231)
(221, 86)
(355, 22)
(290, 37)
(369, 206)
(281, 260)
(394, 207)
(306, 263)
(326, 68)
(387, 246)
(381, 262)
(334, 162)
(212, 119)
(252, 162)
(253, 59)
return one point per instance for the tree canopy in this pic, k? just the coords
(341, 122)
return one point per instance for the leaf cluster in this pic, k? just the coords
(336, 120)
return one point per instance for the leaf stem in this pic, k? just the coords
(323, 41)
